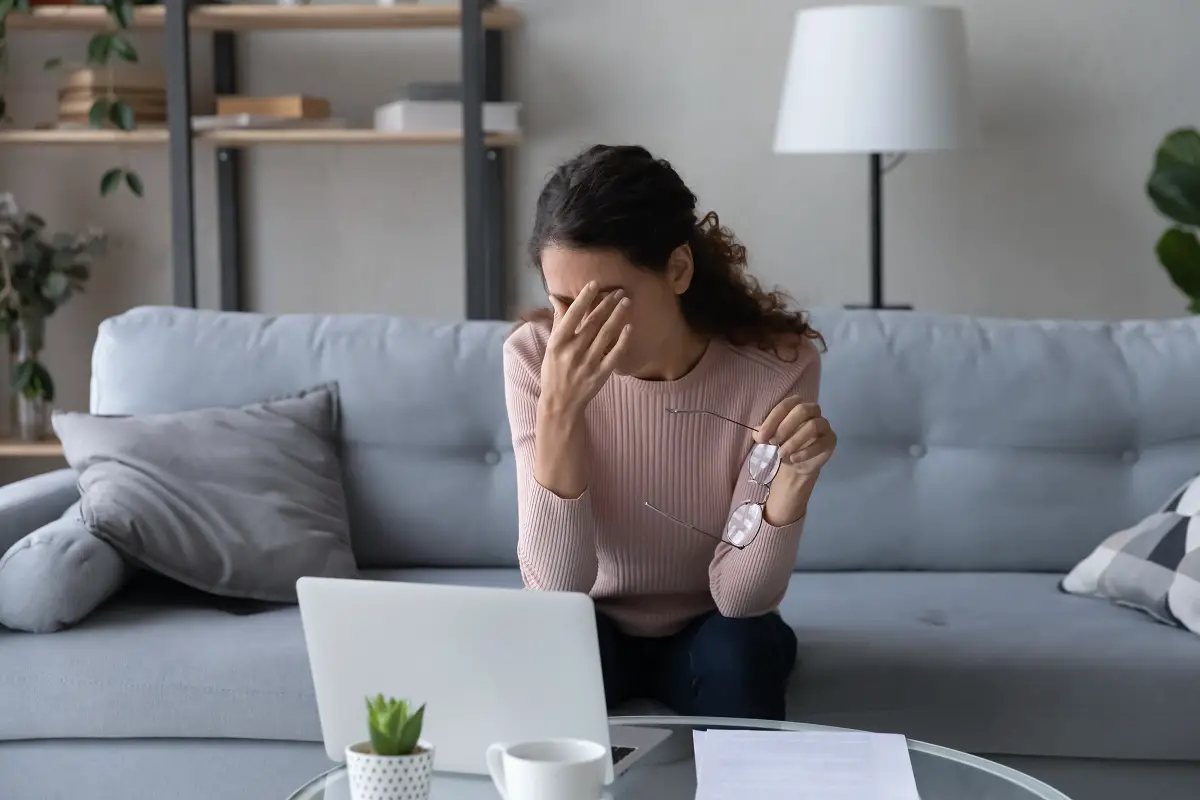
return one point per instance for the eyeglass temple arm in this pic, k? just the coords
(711, 414)
(678, 521)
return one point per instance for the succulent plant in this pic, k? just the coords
(395, 728)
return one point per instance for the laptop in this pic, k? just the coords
(491, 665)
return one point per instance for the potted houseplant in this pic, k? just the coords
(1174, 188)
(395, 763)
(37, 275)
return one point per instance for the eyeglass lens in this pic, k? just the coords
(743, 524)
(764, 463)
(746, 520)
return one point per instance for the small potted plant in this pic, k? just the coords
(395, 763)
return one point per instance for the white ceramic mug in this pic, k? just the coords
(554, 769)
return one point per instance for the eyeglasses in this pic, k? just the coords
(745, 521)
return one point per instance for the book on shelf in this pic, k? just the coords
(295, 106)
(124, 77)
(140, 89)
(430, 116)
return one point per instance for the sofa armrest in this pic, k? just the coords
(33, 502)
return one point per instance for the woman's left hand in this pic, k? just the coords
(806, 442)
(804, 437)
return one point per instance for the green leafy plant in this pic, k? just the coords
(37, 276)
(395, 729)
(1174, 188)
(104, 49)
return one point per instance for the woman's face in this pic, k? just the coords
(653, 312)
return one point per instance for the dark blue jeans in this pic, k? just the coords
(715, 667)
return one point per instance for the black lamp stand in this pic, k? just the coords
(877, 172)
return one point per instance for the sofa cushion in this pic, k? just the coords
(1153, 566)
(993, 663)
(154, 663)
(57, 575)
(969, 444)
(238, 502)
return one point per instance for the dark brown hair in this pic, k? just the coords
(624, 199)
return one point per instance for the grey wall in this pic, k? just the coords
(1048, 218)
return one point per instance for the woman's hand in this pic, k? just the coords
(584, 348)
(804, 437)
(806, 442)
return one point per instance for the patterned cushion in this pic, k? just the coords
(1153, 566)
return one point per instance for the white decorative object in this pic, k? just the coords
(374, 777)
(434, 116)
(877, 79)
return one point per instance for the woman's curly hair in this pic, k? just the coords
(624, 199)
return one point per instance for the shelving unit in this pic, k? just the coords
(481, 24)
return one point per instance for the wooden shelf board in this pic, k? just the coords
(245, 17)
(237, 137)
(14, 448)
(82, 136)
(244, 137)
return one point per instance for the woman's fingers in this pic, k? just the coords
(559, 309)
(574, 314)
(610, 361)
(769, 429)
(606, 337)
(816, 454)
(808, 431)
(596, 318)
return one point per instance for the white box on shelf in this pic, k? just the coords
(426, 116)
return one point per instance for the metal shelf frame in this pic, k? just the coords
(484, 166)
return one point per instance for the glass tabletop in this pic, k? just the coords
(668, 772)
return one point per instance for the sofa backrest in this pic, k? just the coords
(979, 444)
(426, 453)
(966, 444)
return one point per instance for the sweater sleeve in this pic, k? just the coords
(752, 581)
(556, 536)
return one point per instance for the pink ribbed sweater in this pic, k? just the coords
(650, 574)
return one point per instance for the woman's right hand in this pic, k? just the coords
(584, 348)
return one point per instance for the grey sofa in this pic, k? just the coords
(979, 460)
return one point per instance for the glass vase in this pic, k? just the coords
(30, 412)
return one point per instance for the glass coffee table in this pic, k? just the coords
(668, 773)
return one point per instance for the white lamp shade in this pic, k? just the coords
(877, 79)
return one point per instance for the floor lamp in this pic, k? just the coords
(882, 80)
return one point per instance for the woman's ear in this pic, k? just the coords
(680, 268)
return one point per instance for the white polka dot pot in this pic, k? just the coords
(375, 777)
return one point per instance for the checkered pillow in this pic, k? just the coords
(1153, 566)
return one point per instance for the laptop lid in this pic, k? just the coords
(491, 665)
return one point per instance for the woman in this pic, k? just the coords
(633, 407)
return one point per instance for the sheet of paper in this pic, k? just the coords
(776, 765)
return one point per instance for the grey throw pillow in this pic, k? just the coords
(57, 575)
(1153, 566)
(239, 502)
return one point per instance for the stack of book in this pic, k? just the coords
(287, 111)
(143, 90)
